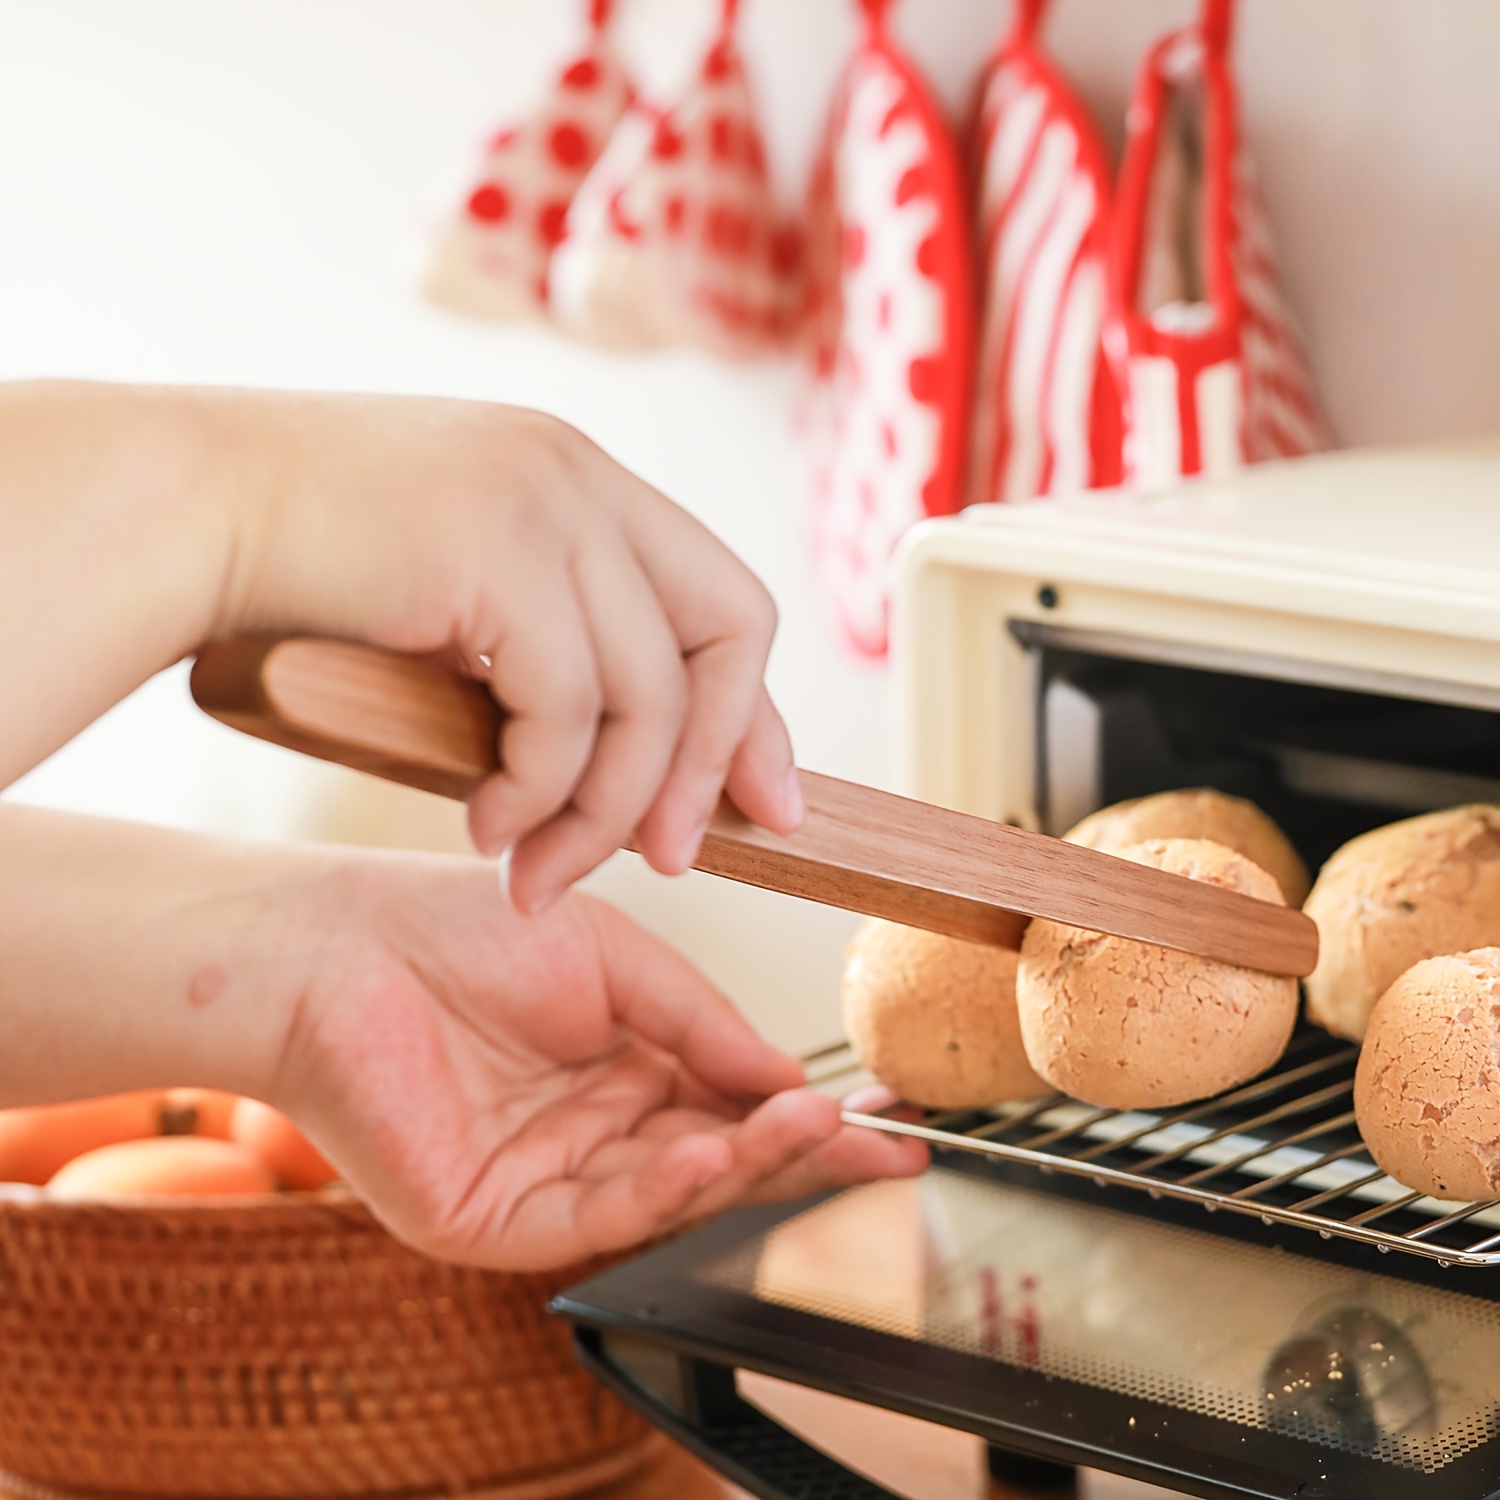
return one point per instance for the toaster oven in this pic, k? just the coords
(1228, 1299)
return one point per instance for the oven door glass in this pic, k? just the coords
(1365, 1363)
(1208, 1362)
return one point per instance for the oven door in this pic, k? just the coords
(1063, 1326)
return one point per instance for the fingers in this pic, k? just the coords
(876, 1099)
(661, 997)
(644, 690)
(852, 1155)
(763, 781)
(725, 621)
(570, 1219)
(789, 1147)
(543, 669)
(794, 1144)
(561, 1203)
(731, 723)
(635, 684)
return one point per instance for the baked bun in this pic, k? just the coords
(1128, 1025)
(1396, 895)
(934, 1018)
(1427, 1090)
(1198, 813)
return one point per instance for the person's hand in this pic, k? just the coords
(626, 644)
(523, 1092)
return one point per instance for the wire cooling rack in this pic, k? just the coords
(1284, 1148)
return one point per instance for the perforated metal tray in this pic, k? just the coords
(1284, 1148)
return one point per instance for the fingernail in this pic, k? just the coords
(792, 800)
(536, 904)
(502, 873)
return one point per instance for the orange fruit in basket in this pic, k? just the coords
(267, 1132)
(37, 1140)
(188, 1166)
(198, 1112)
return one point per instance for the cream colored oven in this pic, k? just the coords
(1347, 604)
(1227, 1299)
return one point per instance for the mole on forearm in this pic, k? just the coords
(206, 986)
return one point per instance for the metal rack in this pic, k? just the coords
(1284, 1148)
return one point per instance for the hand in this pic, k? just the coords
(626, 643)
(523, 1092)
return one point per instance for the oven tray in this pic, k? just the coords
(1283, 1148)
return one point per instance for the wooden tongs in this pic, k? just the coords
(411, 721)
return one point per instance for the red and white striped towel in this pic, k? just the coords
(1202, 343)
(1136, 337)
(1047, 417)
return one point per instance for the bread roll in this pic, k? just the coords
(934, 1018)
(1405, 892)
(1198, 813)
(1131, 1025)
(1427, 1090)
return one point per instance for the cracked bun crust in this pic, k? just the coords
(1396, 895)
(1427, 1090)
(934, 1018)
(1131, 1025)
(1198, 813)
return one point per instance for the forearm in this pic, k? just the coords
(119, 511)
(133, 957)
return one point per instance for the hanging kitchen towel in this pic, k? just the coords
(675, 238)
(492, 260)
(1046, 413)
(1203, 347)
(891, 308)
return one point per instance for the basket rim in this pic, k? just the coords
(25, 1197)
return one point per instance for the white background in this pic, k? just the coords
(242, 191)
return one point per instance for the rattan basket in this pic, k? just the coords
(284, 1345)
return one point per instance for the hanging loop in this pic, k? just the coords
(599, 12)
(875, 13)
(1216, 23)
(1026, 18)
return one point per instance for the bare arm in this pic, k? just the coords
(626, 643)
(513, 1089)
(508, 1090)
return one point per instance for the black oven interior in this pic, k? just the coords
(1327, 753)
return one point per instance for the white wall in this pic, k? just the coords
(242, 192)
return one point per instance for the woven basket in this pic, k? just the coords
(284, 1345)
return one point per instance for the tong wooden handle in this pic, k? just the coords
(412, 721)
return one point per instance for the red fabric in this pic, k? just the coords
(1206, 355)
(675, 237)
(891, 312)
(1047, 417)
(493, 259)
(1105, 353)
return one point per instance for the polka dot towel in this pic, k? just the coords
(493, 259)
(675, 237)
(891, 313)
